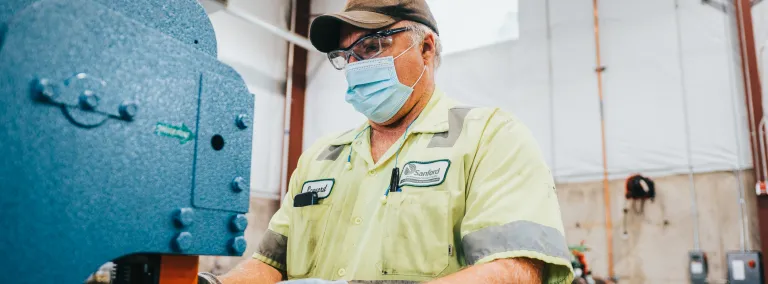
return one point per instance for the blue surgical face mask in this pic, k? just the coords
(374, 89)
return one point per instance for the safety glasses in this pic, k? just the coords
(366, 47)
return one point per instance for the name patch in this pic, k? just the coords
(323, 187)
(424, 174)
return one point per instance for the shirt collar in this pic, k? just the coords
(433, 119)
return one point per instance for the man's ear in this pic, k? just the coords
(428, 48)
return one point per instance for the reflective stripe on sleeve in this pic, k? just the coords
(274, 247)
(515, 236)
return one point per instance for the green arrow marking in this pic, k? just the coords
(183, 133)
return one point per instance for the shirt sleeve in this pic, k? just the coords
(511, 202)
(274, 243)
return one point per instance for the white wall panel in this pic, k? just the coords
(260, 58)
(510, 75)
(577, 108)
(642, 84)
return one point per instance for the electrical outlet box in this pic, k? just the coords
(745, 267)
(697, 267)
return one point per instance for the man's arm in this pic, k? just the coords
(512, 216)
(501, 271)
(252, 271)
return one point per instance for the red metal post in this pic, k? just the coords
(754, 102)
(298, 87)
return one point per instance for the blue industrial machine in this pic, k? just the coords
(122, 138)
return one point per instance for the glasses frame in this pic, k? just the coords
(347, 52)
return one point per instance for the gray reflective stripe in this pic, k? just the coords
(331, 153)
(446, 139)
(273, 246)
(382, 281)
(515, 236)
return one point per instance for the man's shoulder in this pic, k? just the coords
(335, 140)
(485, 117)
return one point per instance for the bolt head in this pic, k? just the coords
(44, 89)
(243, 121)
(128, 110)
(185, 216)
(89, 100)
(183, 241)
(239, 184)
(239, 223)
(238, 245)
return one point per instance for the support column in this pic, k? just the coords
(297, 72)
(754, 102)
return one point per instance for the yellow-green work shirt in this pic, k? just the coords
(473, 188)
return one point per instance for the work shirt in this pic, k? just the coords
(473, 188)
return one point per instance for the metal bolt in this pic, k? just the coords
(185, 216)
(183, 241)
(243, 121)
(128, 109)
(89, 100)
(239, 184)
(238, 245)
(44, 89)
(239, 223)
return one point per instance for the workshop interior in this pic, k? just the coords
(146, 141)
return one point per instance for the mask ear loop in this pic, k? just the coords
(422, 74)
(404, 51)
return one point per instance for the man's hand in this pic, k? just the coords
(510, 270)
(252, 271)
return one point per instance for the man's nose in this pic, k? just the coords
(352, 59)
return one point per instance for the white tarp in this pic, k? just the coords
(551, 85)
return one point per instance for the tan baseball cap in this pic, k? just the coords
(367, 14)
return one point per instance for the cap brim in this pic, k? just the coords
(324, 33)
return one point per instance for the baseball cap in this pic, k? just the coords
(324, 33)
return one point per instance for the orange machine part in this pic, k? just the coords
(178, 269)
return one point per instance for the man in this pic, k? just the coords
(425, 190)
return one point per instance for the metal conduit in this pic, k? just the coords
(606, 188)
(744, 234)
(687, 125)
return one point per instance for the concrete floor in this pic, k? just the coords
(657, 242)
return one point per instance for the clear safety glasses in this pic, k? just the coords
(366, 47)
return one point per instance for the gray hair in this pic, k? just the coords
(419, 32)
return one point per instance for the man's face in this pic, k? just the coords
(409, 65)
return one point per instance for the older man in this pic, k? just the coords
(426, 190)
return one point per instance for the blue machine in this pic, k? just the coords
(120, 134)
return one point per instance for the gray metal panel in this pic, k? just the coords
(184, 20)
(221, 101)
(739, 270)
(77, 197)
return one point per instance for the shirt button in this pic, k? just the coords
(342, 272)
(371, 173)
(358, 220)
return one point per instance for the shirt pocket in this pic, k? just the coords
(308, 226)
(418, 236)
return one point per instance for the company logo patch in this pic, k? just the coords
(423, 174)
(323, 187)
